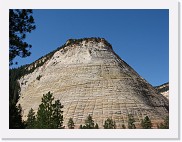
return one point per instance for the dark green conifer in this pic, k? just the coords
(71, 124)
(109, 124)
(21, 22)
(146, 123)
(49, 115)
(31, 120)
(131, 121)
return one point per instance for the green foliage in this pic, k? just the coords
(131, 121)
(71, 124)
(21, 22)
(164, 125)
(49, 115)
(89, 124)
(15, 120)
(146, 123)
(109, 124)
(44, 112)
(31, 121)
(15, 117)
(57, 115)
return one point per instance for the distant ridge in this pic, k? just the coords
(163, 89)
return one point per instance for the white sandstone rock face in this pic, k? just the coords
(89, 78)
(163, 89)
(166, 94)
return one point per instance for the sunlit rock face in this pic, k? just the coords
(163, 89)
(88, 77)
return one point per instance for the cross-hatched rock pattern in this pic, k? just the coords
(90, 78)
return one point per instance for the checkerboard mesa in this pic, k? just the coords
(89, 78)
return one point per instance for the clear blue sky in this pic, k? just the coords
(139, 37)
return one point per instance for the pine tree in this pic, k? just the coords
(49, 115)
(89, 123)
(21, 22)
(146, 123)
(71, 124)
(45, 111)
(15, 118)
(57, 115)
(31, 121)
(131, 121)
(109, 124)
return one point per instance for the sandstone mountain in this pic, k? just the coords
(163, 89)
(88, 77)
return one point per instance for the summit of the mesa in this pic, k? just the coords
(85, 41)
(89, 78)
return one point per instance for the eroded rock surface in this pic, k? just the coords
(89, 78)
(163, 89)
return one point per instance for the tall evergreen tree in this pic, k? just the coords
(131, 121)
(31, 120)
(57, 117)
(109, 124)
(89, 124)
(21, 22)
(45, 111)
(146, 123)
(15, 119)
(49, 115)
(71, 124)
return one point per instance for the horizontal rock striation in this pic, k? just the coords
(89, 78)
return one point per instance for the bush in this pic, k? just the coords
(38, 77)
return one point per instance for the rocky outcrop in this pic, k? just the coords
(163, 89)
(88, 77)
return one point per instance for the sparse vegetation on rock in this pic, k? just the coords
(38, 77)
